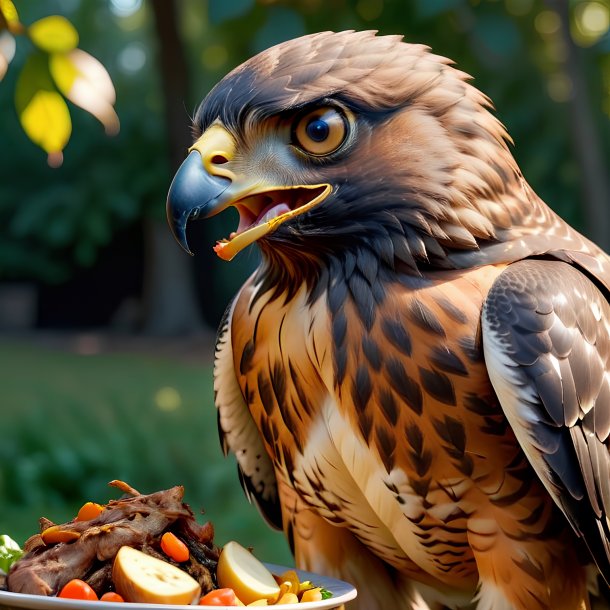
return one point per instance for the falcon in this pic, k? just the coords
(415, 380)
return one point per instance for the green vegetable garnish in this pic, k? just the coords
(326, 594)
(10, 552)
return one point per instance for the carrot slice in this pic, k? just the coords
(111, 596)
(54, 534)
(78, 589)
(88, 511)
(174, 548)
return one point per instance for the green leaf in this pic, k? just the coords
(326, 594)
(42, 111)
(53, 34)
(85, 252)
(96, 226)
(10, 552)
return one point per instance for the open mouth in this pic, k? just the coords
(261, 213)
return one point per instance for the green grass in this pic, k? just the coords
(70, 423)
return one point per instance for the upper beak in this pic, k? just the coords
(195, 191)
(206, 184)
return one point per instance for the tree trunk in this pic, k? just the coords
(585, 136)
(170, 301)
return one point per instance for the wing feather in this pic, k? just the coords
(546, 340)
(238, 431)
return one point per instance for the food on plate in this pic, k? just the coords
(241, 571)
(10, 552)
(78, 589)
(138, 577)
(111, 596)
(173, 547)
(86, 549)
(145, 549)
(221, 597)
(88, 511)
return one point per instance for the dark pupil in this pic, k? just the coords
(317, 130)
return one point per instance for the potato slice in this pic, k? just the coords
(141, 578)
(312, 595)
(288, 598)
(245, 574)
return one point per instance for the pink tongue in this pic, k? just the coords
(272, 212)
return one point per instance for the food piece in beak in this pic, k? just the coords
(247, 218)
(261, 213)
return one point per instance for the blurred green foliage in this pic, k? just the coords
(77, 422)
(53, 70)
(57, 220)
(54, 221)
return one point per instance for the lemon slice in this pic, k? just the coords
(141, 578)
(245, 574)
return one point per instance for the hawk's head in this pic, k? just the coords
(337, 139)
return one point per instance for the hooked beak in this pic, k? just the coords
(206, 184)
(192, 193)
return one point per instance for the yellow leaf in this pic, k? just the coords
(42, 111)
(46, 120)
(53, 34)
(9, 12)
(85, 82)
(63, 71)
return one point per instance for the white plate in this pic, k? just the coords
(342, 592)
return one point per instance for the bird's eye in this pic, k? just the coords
(321, 131)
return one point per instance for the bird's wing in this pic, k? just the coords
(546, 340)
(238, 432)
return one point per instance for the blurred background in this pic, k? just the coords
(107, 327)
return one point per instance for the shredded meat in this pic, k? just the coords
(138, 521)
(100, 580)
